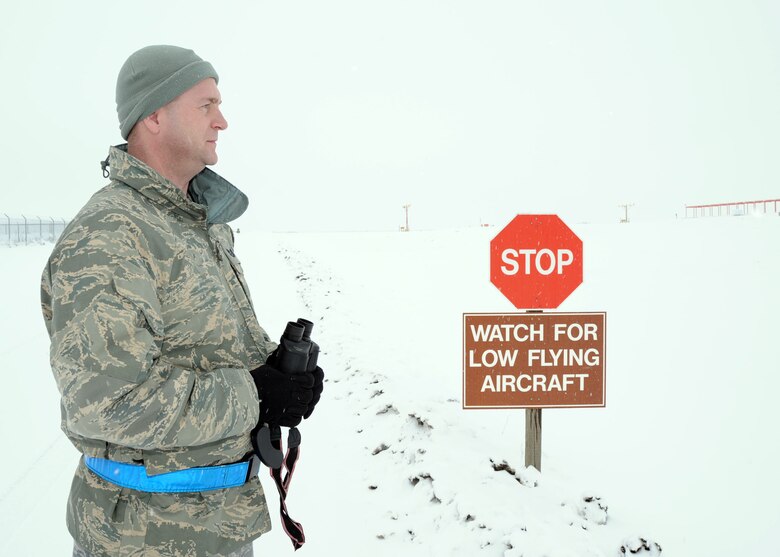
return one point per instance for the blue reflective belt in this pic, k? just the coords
(133, 476)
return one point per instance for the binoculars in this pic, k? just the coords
(297, 353)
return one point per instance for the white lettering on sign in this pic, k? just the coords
(491, 358)
(550, 357)
(545, 261)
(525, 383)
(576, 331)
(506, 332)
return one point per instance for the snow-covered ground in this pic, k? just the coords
(683, 455)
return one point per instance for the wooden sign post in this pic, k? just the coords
(533, 431)
(533, 438)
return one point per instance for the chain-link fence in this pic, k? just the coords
(26, 230)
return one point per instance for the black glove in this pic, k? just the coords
(318, 375)
(284, 397)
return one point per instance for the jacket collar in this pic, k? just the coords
(210, 197)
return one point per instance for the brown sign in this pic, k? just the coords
(534, 360)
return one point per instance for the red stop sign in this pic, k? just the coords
(536, 261)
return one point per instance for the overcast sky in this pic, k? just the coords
(341, 111)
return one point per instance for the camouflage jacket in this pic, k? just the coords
(152, 335)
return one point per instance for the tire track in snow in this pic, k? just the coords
(396, 439)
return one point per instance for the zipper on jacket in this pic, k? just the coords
(217, 251)
(249, 320)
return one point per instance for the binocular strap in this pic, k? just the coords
(293, 529)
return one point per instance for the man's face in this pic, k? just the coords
(190, 123)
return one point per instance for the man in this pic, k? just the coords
(155, 346)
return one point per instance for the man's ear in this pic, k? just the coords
(152, 122)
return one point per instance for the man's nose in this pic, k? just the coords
(220, 122)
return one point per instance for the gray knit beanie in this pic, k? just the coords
(154, 76)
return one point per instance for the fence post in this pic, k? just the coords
(25, 229)
(40, 229)
(8, 219)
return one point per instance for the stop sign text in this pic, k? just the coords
(544, 261)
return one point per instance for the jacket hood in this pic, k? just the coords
(210, 197)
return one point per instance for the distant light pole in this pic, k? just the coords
(625, 207)
(406, 211)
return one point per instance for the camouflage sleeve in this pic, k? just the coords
(270, 345)
(106, 325)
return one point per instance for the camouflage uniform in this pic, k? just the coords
(152, 336)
